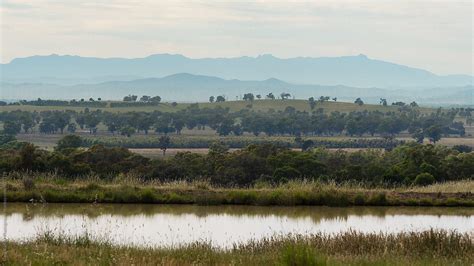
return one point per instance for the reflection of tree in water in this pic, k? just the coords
(315, 213)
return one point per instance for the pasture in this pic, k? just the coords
(256, 105)
(144, 144)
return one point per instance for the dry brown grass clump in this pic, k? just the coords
(462, 186)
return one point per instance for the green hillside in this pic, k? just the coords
(257, 105)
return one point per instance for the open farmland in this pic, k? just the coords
(144, 144)
(257, 105)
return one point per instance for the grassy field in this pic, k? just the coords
(422, 248)
(48, 141)
(258, 105)
(129, 189)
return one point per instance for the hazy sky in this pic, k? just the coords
(434, 35)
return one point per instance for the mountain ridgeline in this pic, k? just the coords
(176, 77)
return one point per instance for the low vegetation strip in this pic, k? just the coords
(411, 164)
(182, 141)
(420, 248)
(313, 193)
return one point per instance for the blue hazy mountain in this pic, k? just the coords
(190, 88)
(355, 71)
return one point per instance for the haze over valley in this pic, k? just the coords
(179, 78)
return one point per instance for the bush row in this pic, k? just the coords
(269, 163)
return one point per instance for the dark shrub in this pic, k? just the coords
(462, 148)
(285, 172)
(424, 179)
(69, 142)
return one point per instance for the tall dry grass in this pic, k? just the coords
(462, 186)
(416, 248)
(130, 188)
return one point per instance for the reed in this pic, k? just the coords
(350, 248)
(132, 189)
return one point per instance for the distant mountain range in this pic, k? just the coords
(190, 88)
(178, 78)
(353, 71)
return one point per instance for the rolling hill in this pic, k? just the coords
(186, 87)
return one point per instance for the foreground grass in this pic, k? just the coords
(352, 248)
(130, 190)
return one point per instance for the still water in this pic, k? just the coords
(222, 226)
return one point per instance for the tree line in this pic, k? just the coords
(98, 103)
(405, 165)
(289, 122)
(189, 142)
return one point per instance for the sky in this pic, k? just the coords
(433, 35)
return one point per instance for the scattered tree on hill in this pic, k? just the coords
(11, 127)
(248, 97)
(211, 99)
(324, 98)
(270, 96)
(434, 133)
(155, 99)
(164, 143)
(71, 128)
(143, 122)
(80, 120)
(399, 104)
(220, 99)
(60, 120)
(130, 98)
(163, 125)
(28, 122)
(91, 121)
(383, 102)
(359, 101)
(285, 95)
(312, 103)
(127, 131)
(145, 98)
(418, 135)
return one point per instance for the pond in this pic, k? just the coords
(222, 226)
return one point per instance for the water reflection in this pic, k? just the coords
(172, 225)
